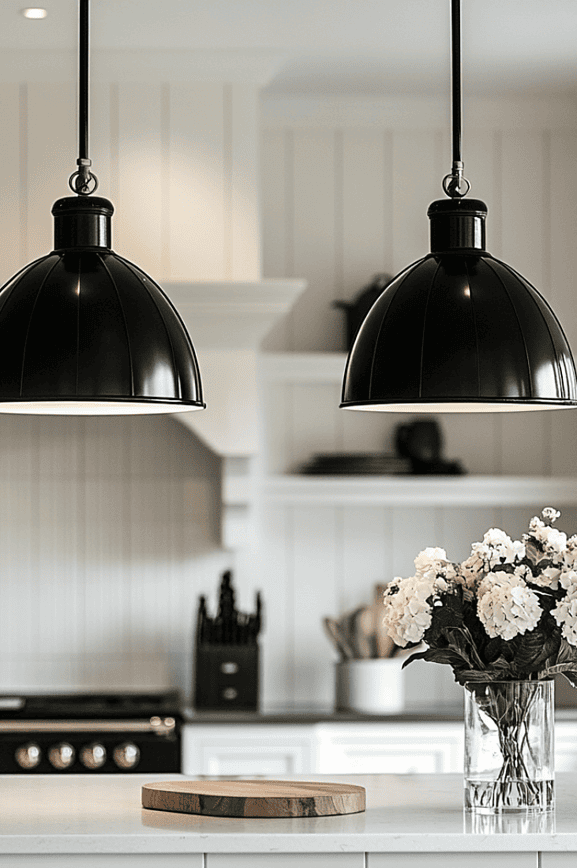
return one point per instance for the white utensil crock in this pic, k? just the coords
(370, 686)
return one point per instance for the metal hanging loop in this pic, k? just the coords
(83, 181)
(454, 184)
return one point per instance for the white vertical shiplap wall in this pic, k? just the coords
(346, 185)
(327, 558)
(345, 188)
(110, 528)
(108, 533)
(177, 159)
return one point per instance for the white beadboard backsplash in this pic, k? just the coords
(109, 530)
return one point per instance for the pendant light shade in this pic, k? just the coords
(83, 331)
(459, 331)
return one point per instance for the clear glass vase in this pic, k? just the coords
(509, 746)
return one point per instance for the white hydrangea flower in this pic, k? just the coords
(565, 613)
(409, 605)
(472, 570)
(428, 559)
(497, 548)
(506, 606)
(570, 555)
(502, 548)
(554, 541)
(568, 580)
(547, 578)
(550, 514)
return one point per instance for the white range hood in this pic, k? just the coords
(227, 321)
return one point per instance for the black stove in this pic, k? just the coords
(88, 733)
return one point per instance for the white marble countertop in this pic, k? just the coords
(405, 813)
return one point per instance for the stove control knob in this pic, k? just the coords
(61, 755)
(93, 756)
(126, 755)
(28, 755)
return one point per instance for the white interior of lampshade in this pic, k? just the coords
(93, 408)
(459, 407)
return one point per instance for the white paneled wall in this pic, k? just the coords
(177, 159)
(109, 528)
(345, 189)
(346, 185)
(326, 558)
(108, 533)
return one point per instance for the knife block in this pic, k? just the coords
(226, 677)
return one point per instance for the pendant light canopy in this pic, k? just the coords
(82, 330)
(459, 330)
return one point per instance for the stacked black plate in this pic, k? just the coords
(356, 464)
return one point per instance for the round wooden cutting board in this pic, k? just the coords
(254, 798)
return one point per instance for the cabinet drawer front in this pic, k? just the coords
(250, 761)
(102, 860)
(453, 860)
(396, 761)
(285, 860)
(247, 750)
(558, 860)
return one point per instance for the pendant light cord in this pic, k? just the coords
(83, 181)
(454, 184)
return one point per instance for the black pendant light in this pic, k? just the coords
(82, 330)
(459, 330)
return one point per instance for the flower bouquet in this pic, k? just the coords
(505, 620)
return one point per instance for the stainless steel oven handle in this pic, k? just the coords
(158, 725)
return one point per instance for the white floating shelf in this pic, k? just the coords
(536, 491)
(303, 367)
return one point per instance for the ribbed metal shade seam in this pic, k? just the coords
(401, 277)
(472, 302)
(78, 327)
(429, 291)
(115, 287)
(31, 317)
(142, 274)
(522, 280)
(15, 279)
(527, 359)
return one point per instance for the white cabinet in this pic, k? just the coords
(389, 748)
(239, 749)
(340, 748)
(565, 746)
(322, 748)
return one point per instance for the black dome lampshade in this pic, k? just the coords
(82, 330)
(459, 330)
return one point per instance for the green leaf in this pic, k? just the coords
(534, 551)
(439, 655)
(465, 675)
(567, 653)
(569, 670)
(449, 614)
(533, 649)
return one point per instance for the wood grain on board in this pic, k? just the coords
(254, 798)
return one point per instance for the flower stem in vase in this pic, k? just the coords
(509, 746)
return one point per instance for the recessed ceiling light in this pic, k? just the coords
(34, 12)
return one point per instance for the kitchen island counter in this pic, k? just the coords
(410, 814)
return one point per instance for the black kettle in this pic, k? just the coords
(356, 310)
